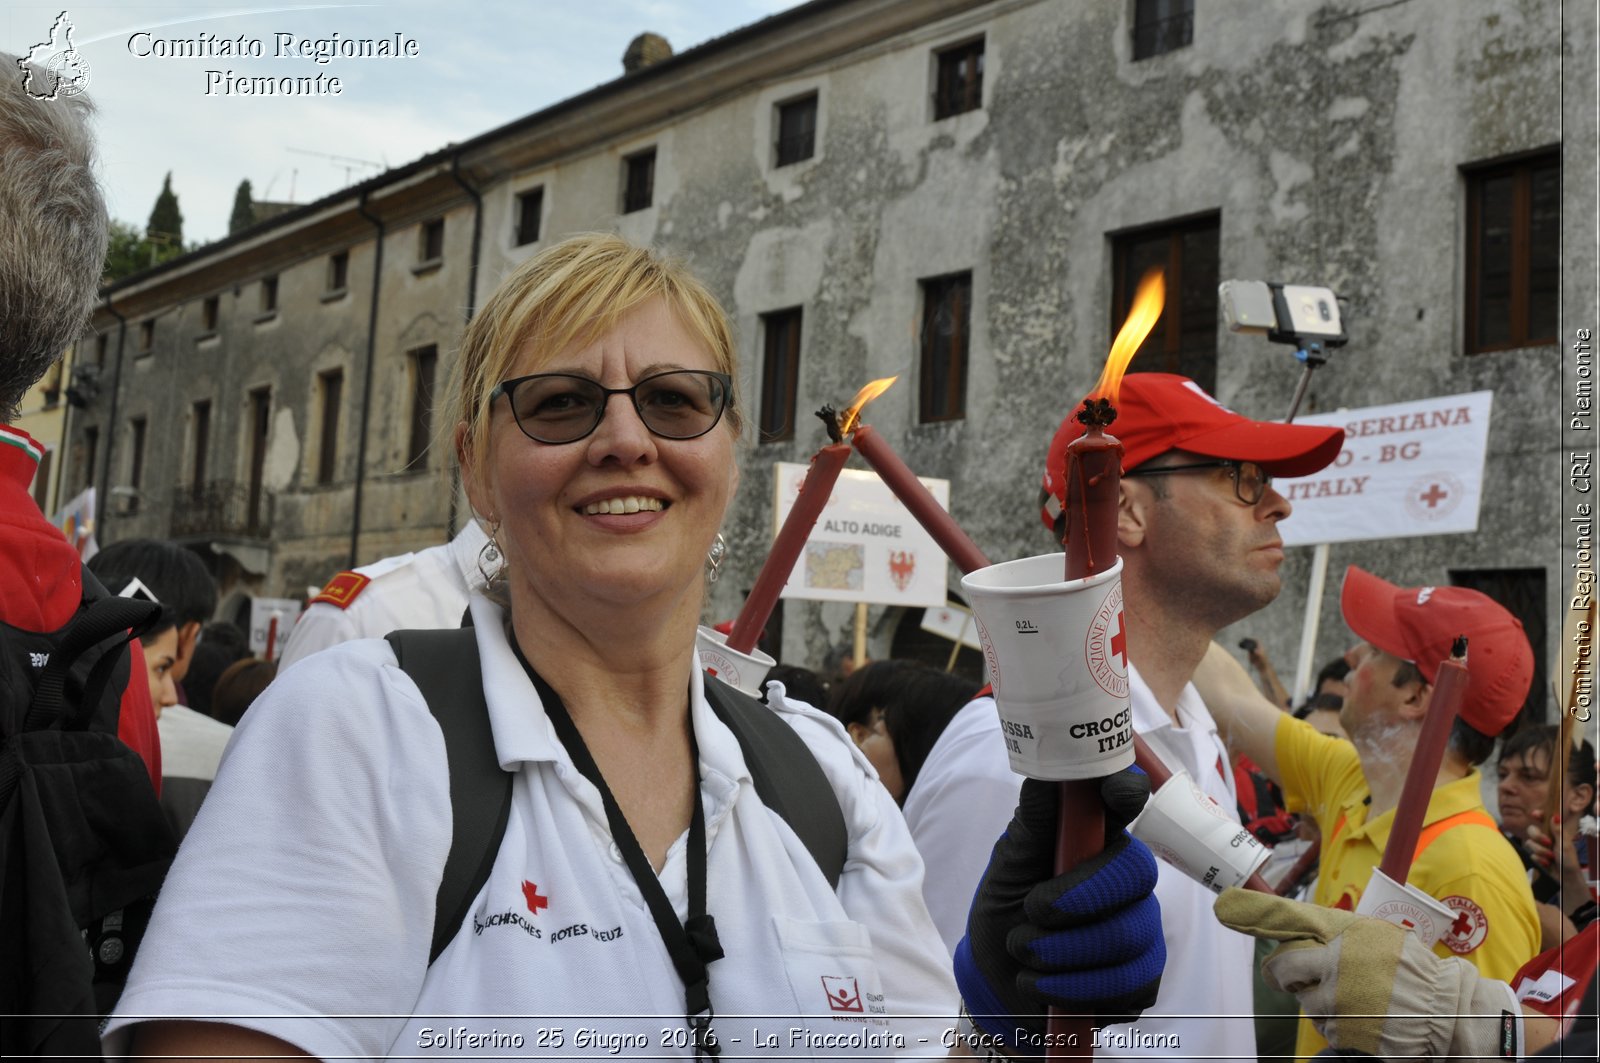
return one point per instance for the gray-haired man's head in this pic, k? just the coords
(53, 237)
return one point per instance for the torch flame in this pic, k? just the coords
(847, 419)
(1148, 300)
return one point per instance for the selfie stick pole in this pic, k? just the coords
(1313, 355)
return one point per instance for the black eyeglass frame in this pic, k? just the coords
(508, 387)
(1226, 463)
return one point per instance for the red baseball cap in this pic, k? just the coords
(1418, 624)
(1158, 412)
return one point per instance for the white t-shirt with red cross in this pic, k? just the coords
(302, 901)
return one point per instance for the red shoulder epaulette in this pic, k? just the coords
(342, 589)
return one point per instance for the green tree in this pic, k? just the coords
(129, 251)
(244, 208)
(166, 220)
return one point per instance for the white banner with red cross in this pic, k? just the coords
(1413, 468)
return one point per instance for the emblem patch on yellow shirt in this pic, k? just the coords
(1469, 929)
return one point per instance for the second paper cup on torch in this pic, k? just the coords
(1190, 831)
(1405, 906)
(738, 668)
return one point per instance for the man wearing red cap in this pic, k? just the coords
(1353, 788)
(1198, 535)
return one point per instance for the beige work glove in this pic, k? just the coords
(1371, 986)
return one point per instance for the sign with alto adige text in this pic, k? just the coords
(866, 546)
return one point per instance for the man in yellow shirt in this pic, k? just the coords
(1352, 788)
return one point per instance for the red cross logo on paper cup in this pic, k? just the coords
(1405, 906)
(742, 670)
(1106, 649)
(1057, 658)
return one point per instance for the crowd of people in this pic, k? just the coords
(646, 889)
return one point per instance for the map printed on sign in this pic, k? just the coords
(866, 546)
(1413, 468)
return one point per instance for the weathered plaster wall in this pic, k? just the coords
(1328, 137)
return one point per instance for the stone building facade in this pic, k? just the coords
(957, 191)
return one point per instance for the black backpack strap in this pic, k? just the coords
(123, 619)
(787, 777)
(444, 665)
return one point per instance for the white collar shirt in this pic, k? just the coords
(1206, 1004)
(426, 589)
(305, 892)
(961, 802)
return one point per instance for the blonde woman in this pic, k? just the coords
(643, 900)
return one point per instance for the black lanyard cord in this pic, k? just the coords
(692, 945)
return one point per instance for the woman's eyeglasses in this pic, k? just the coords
(564, 407)
(1250, 480)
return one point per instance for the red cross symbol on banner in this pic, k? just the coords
(1434, 495)
(1119, 641)
(535, 902)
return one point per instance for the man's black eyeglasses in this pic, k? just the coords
(1250, 480)
(564, 407)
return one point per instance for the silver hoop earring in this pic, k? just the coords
(715, 557)
(491, 562)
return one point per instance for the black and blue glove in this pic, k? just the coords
(1087, 942)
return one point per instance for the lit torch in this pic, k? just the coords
(1094, 459)
(911, 492)
(815, 489)
(1094, 480)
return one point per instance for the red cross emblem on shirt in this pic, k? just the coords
(535, 902)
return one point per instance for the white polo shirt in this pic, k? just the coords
(191, 748)
(1206, 1004)
(427, 589)
(302, 902)
(960, 804)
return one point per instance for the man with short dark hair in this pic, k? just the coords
(191, 742)
(1198, 535)
(1353, 788)
(179, 580)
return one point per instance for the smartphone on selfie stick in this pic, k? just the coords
(1303, 315)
